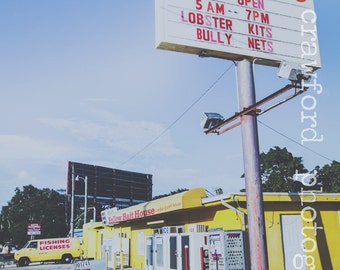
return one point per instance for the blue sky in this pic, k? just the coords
(82, 81)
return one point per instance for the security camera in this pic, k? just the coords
(294, 72)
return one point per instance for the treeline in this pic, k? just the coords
(48, 207)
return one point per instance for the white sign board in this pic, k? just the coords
(90, 264)
(271, 31)
(33, 229)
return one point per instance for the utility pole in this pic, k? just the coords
(251, 156)
(85, 203)
(72, 204)
(85, 195)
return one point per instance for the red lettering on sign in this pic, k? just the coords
(259, 30)
(217, 8)
(253, 15)
(228, 36)
(259, 4)
(209, 36)
(260, 44)
(199, 6)
(144, 213)
(207, 20)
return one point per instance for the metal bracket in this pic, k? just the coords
(254, 109)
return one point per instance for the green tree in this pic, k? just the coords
(179, 190)
(329, 176)
(277, 168)
(32, 205)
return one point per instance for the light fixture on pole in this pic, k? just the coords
(94, 211)
(210, 120)
(85, 196)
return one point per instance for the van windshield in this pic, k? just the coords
(25, 246)
(31, 244)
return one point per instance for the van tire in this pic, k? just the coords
(66, 258)
(24, 261)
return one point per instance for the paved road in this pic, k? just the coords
(38, 266)
(47, 266)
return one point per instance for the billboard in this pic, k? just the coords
(108, 186)
(270, 31)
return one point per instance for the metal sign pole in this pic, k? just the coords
(256, 225)
(72, 205)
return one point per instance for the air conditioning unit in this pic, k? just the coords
(197, 228)
(173, 229)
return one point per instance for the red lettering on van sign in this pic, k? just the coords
(54, 244)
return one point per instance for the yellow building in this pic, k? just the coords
(192, 231)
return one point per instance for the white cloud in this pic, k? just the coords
(24, 160)
(42, 162)
(118, 134)
(22, 174)
(15, 147)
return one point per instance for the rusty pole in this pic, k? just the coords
(251, 160)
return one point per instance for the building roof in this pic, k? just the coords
(180, 201)
(197, 197)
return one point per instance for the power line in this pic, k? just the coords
(179, 117)
(294, 141)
